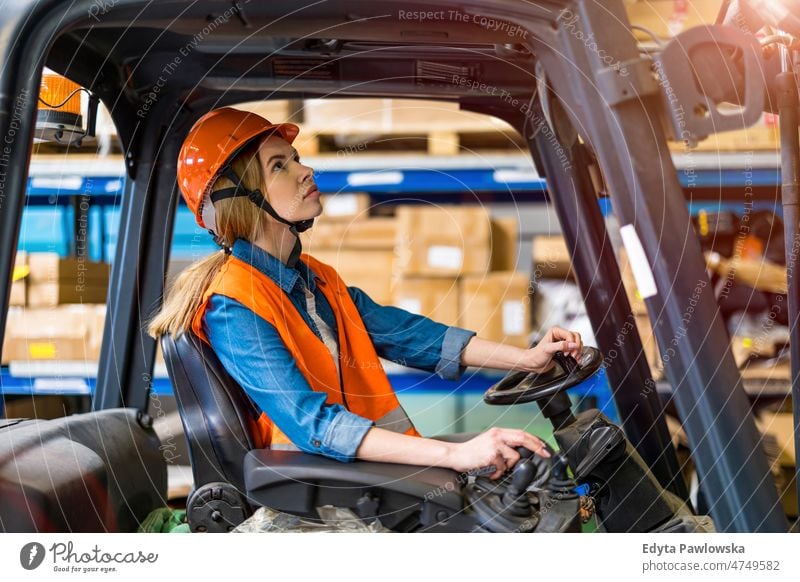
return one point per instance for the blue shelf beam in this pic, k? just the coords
(106, 190)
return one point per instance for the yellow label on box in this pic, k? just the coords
(42, 350)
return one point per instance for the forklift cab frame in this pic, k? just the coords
(158, 66)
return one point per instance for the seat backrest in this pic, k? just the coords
(218, 417)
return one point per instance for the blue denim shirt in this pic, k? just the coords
(253, 353)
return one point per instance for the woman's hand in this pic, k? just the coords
(540, 358)
(493, 447)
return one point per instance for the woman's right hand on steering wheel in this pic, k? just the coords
(495, 447)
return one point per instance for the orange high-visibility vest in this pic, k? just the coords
(363, 388)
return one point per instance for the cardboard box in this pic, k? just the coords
(443, 241)
(12, 316)
(54, 294)
(435, 298)
(378, 233)
(96, 318)
(19, 287)
(324, 235)
(505, 243)
(370, 234)
(551, 258)
(497, 307)
(345, 207)
(19, 293)
(762, 348)
(374, 115)
(370, 271)
(52, 347)
(69, 332)
(52, 268)
(54, 280)
(275, 110)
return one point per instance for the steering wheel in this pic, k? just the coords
(520, 387)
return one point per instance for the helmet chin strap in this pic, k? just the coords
(258, 199)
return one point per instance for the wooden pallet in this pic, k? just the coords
(760, 137)
(438, 143)
(358, 126)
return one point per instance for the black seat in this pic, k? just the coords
(233, 472)
(218, 417)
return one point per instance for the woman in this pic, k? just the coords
(303, 345)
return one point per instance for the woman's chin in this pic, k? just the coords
(318, 208)
(305, 216)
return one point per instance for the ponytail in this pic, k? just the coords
(236, 218)
(185, 296)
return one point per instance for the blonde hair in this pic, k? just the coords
(236, 218)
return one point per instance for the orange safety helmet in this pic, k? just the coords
(212, 143)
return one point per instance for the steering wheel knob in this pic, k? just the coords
(519, 387)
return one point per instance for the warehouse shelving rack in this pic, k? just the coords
(709, 179)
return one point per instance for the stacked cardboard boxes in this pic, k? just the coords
(19, 286)
(551, 259)
(437, 298)
(61, 333)
(360, 248)
(368, 233)
(450, 263)
(57, 308)
(392, 115)
(369, 270)
(439, 241)
(55, 280)
(455, 265)
(344, 207)
(497, 306)
(504, 243)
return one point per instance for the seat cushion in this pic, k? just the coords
(299, 482)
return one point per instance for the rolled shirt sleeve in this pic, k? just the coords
(413, 340)
(455, 340)
(241, 339)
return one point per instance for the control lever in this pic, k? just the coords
(524, 454)
(596, 445)
(515, 499)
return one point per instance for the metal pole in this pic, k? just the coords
(790, 197)
(618, 116)
(19, 87)
(127, 354)
(596, 269)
